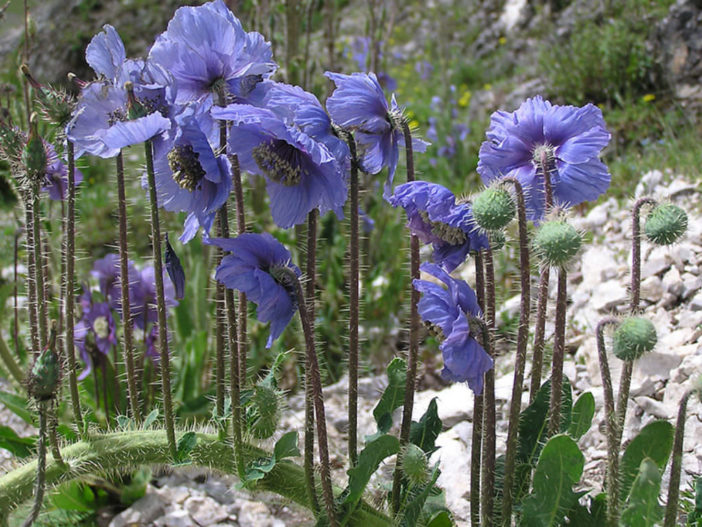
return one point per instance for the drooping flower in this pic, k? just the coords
(57, 175)
(301, 173)
(95, 333)
(260, 266)
(564, 140)
(359, 104)
(208, 52)
(189, 176)
(447, 311)
(434, 217)
(130, 103)
(146, 292)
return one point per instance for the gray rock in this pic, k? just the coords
(205, 511)
(142, 512)
(696, 302)
(176, 518)
(257, 514)
(652, 289)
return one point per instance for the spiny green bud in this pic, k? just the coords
(34, 154)
(665, 224)
(557, 242)
(263, 412)
(497, 240)
(494, 208)
(415, 465)
(46, 371)
(634, 337)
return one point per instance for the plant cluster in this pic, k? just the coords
(206, 111)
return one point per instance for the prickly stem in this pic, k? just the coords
(671, 509)
(489, 417)
(477, 433)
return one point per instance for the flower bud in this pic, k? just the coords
(263, 411)
(34, 154)
(415, 465)
(634, 337)
(497, 240)
(46, 372)
(665, 224)
(494, 208)
(557, 242)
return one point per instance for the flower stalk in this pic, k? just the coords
(160, 301)
(671, 509)
(520, 359)
(489, 417)
(475, 451)
(554, 423)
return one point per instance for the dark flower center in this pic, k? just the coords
(285, 278)
(279, 161)
(449, 234)
(434, 330)
(185, 165)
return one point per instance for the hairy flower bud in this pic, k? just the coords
(497, 240)
(665, 224)
(415, 465)
(634, 337)
(494, 208)
(557, 242)
(263, 412)
(34, 154)
(46, 371)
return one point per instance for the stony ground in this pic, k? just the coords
(671, 297)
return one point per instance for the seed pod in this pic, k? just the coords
(263, 412)
(634, 337)
(45, 374)
(557, 242)
(415, 465)
(665, 224)
(494, 208)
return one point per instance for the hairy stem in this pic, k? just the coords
(316, 382)
(40, 468)
(127, 323)
(160, 302)
(353, 304)
(475, 451)
(240, 229)
(31, 284)
(489, 417)
(554, 424)
(671, 509)
(612, 477)
(520, 359)
(39, 270)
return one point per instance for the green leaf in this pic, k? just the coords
(559, 468)
(642, 508)
(125, 423)
(583, 412)
(393, 396)
(286, 446)
(594, 514)
(694, 519)
(416, 499)
(368, 462)
(655, 441)
(19, 446)
(424, 433)
(151, 419)
(440, 519)
(74, 496)
(136, 489)
(184, 446)
(18, 406)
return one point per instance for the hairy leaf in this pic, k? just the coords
(368, 462)
(655, 441)
(559, 468)
(19, 446)
(393, 396)
(416, 499)
(286, 446)
(643, 509)
(583, 412)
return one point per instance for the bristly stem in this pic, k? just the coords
(31, 284)
(15, 325)
(315, 379)
(612, 476)
(554, 423)
(413, 331)
(160, 301)
(310, 271)
(127, 323)
(353, 303)
(39, 269)
(671, 509)
(41, 467)
(489, 418)
(628, 366)
(542, 301)
(475, 451)
(52, 419)
(240, 229)
(520, 359)
(69, 304)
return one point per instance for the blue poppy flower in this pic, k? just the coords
(434, 217)
(107, 272)
(189, 176)
(446, 310)
(359, 104)
(260, 266)
(567, 139)
(206, 49)
(57, 175)
(95, 332)
(301, 173)
(145, 292)
(107, 117)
